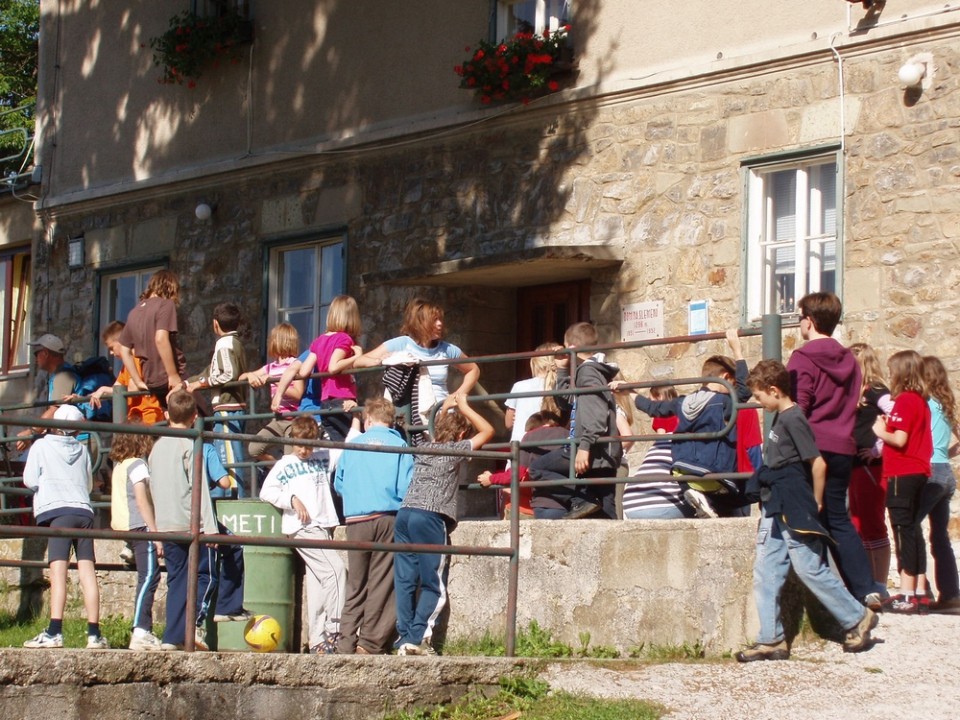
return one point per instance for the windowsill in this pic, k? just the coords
(14, 374)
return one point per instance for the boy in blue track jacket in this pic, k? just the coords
(372, 485)
(707, 410)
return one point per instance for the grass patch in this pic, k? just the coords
(13, 632)
(531, 699)
(669, 653)
(532, 641)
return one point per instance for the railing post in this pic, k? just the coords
(771, 327)
(193, 555)
(119, 400)
(513, 579)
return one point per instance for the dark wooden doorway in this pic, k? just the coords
(544, 312)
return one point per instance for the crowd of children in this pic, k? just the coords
(837, 432)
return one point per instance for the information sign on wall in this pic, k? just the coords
(641, 321)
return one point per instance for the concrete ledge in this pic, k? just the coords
(81, 685)
(627, 583)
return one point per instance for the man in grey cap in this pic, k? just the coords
(49, 352)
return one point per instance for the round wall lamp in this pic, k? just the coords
(203, 211)
(917, 72)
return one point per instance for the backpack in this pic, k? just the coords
(91, 374)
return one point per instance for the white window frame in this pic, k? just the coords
(809, 243)
(15, 299)
(325, 288)
(109, 310)
(547, 14)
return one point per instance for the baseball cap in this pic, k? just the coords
(68, 412)
(51, 343)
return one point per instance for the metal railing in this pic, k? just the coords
(770, 331)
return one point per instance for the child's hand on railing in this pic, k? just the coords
(617, 386)
(733, 342)
(484, 478)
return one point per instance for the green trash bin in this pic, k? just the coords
(268, 586)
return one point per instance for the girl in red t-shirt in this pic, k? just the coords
(907, 449)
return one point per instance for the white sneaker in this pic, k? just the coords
(97, 642)
(199, 640)
(146, 642)
(701, 506)
(45, 641)
(170, 647)
(409, 649)
(127, 557)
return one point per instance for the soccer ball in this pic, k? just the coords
(262, 633)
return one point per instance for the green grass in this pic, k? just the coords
(669, 653)
(14, 632)
(537, 642)
(534, 701)
(532, 641)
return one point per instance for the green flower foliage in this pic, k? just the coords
(193, 43)
(518, 68)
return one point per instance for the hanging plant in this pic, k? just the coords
(193, 43)
(519, 68)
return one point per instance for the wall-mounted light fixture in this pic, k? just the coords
(917, 72)
(75, 252)
(203, 211)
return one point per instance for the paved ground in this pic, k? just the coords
(912, 671)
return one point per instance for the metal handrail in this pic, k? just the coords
(771, 348)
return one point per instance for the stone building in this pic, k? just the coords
(732, 152)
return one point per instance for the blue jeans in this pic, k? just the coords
(548, 513)
(416, 615)
(779, 549)
(848, 551)
(935, 504)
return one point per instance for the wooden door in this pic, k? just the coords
(544, 312)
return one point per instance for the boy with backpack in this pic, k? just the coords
(593, 415)
(708, 410)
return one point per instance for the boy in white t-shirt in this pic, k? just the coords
(299, 484)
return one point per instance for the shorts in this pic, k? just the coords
(58, 548)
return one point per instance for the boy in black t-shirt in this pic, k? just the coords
(790, 535)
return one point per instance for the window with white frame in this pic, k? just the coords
(792, 247)
(304, 278)
(515, 16)
(14, 307)
(120, 291)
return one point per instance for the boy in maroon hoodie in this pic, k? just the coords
(826, 385)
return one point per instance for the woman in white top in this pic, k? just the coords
(543, 368)
(422, 337)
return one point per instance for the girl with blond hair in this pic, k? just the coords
(868, 488)
(543, 371)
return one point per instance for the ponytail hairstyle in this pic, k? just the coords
(545, 366)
